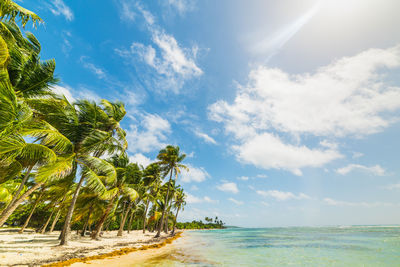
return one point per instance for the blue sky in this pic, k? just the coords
(288, 111)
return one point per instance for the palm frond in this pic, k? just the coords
(62, 167)
(9, 170)
(48, 135)
(130, 193)
(11, 11)
(109, 194)
(100, 167)
(94, 181)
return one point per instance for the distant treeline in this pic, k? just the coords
(209, 224)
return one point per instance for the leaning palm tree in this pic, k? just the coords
(180, 202)
(35, 204)
(93, 131)
(127, 176)
(89, 207)
(152, 180)
(17, 121)
(169, 160)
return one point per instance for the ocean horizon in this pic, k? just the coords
(365, 245)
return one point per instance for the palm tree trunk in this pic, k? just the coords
(53, 224)
(122, 213)
(16, 194)
(96, 233)
(165, 207)
(130, 221)
(108, 225)
(7, 212)
(32, 211)
(176, 218)
(47, 222)
(67, 224)
(122, 225)
(145, 216)
(86, 223)
(166, 223)
(21, 186)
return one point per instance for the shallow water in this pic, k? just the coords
(293, 246)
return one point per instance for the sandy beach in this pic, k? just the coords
(137, 258)
(33, 249)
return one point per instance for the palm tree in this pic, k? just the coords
(89, 206)
(56, 193)
(93, 131)
(38, 198)
(133, 179)
(152, 180)
(45, 141)
(169, 160)
(127, 176)
(10, 11)
(17, 119)
(180, 202)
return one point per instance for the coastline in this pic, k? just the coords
(32, 249)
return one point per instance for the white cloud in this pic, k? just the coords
(194, 188)
(182, 6)
(237, 202)
(243, 178)
(72, 95)
(141, 159)
(66, 46)
(266, 204)
(205, 137)
(151, 136)
(268, 151)
(127, 10)
(65, 91)
(190, 155)
(58, 7)
(348, 97)
(132, 99)
(375, 170)
(393, 186)
(281, 195)
(194, 174)
(333, 202)
(190, 199)
(262, 176)
(84, 93)
(149, 18)
(173, 64)
(357, 155)
(99, 72)
(228, 187)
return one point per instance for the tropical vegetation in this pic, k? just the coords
(64, 165)
(209, 224)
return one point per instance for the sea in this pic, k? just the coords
(287, 246)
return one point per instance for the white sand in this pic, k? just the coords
(133, 259)
(33, 248)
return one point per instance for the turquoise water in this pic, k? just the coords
(294, 246)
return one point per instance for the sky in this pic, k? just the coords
(288, 111)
